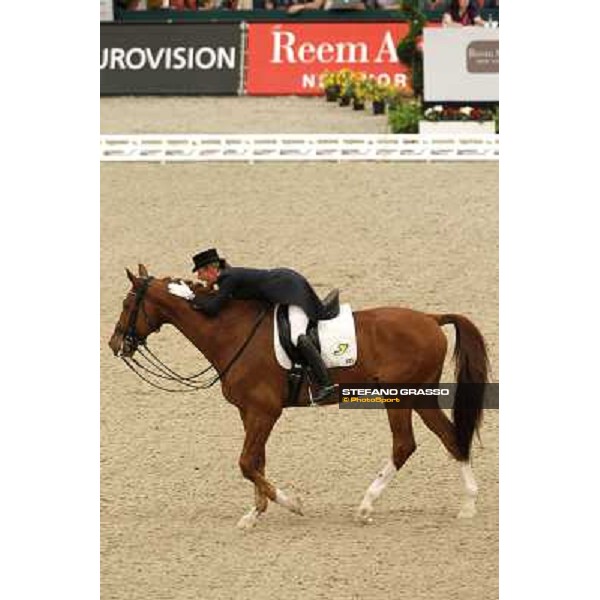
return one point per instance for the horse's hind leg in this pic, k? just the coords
(442, 426)
(403, 445)
(258, 427)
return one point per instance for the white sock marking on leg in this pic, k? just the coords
(294, 503)
(468, 509)
(469, 479)
(281, 498)
(376, 488)
(381, 481)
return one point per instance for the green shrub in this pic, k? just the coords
(408, 51)
(405, 117)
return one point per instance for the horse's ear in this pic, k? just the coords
(131, 277)
(142, 271)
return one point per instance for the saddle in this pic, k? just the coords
(331, 303)
(297, 374)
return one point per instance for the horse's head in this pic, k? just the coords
(140, 315)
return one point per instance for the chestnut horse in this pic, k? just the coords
(395, 345)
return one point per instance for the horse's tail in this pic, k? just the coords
(471, 369)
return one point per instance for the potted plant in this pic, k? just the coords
(346, 94)
(346, 84)
(377, 94)
(331, 85)
(359, 89)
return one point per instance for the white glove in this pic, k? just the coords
(181, 289)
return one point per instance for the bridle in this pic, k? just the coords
(131, 335)
(158, 368)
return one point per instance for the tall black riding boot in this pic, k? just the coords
(317, 366)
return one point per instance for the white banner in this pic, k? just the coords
(106, 10)
(461, 64)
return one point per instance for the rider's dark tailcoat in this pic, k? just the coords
(277, 286)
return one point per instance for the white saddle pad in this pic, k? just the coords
(337, 336)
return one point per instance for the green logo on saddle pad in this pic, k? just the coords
(341, 349)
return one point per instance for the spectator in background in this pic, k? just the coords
(204, 4)
(183, 4)
(293, 7)
(296, 6)
(124, 5)
(342, 5)
(385, 4)
(435, 5)
(157, 4)
(229, 5)
(463, 13)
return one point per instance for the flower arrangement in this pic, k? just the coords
(336, 84)
(377, 94)
(329, 79)
(357, 88)
(463, 113)
(405, 108)
(374, 91)
(344, 78)
(346, 83)
(330, 83)
(360, 90)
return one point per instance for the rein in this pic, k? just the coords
(163, 371)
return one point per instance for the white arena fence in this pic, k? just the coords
(250, 148)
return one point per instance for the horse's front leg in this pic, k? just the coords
(252, 461)
(261, 501)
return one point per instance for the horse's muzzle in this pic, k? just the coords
(121, 346)
(115, 343)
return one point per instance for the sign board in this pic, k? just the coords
(178, 59)
(461, 64)
(288, 58)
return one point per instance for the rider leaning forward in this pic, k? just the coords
(276, 286)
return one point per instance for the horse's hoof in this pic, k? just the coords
(363, 515)
(290, 501)
(296, 505)
(467, 512)
(249, 520)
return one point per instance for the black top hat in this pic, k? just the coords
(207, 257)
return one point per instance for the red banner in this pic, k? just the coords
(289, 58)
